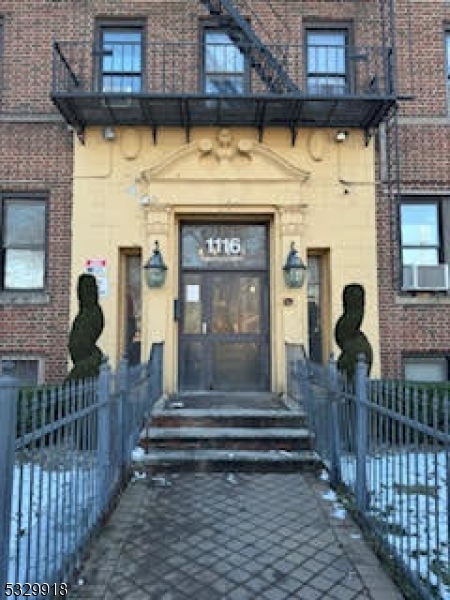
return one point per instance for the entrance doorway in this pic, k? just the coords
(224, 317)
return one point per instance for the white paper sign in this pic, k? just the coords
(97, 268)
(192, 293)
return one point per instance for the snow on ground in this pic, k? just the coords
(54, 507)
(409, 503)
(52, 510)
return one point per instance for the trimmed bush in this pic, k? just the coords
(350, 339)
(86, 329)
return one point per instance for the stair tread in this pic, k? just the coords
(212, 413)
(193, 454)
(224, 432)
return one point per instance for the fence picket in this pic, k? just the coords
(335, 435)
(8, 415)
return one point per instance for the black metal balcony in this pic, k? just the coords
(172, 89)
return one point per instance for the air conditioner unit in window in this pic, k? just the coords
(425, 277)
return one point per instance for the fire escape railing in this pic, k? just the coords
(172, 68)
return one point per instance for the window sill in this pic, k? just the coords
(423, 298)
(21, 298)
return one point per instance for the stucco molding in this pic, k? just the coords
(293, 219)
(223, 158)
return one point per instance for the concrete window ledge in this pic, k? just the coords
(20, 298)
(423, 299)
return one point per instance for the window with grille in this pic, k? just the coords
(120, 58)
(326, 62)
(225, 66)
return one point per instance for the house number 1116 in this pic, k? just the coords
(227, 246)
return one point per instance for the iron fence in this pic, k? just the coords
(386, 445)
(64, 456)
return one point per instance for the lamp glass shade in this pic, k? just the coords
(294, 270)
(294, 277)
(155, 276)
(155, 269)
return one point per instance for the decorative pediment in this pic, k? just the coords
(224, 158)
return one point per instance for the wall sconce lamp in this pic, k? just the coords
(155, 269)
(294, 269)
(109, 133)
(341, 136)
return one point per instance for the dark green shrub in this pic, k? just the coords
(349, 338)
(86, 329)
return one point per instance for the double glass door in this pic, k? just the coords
(224, 333)
(224, 298)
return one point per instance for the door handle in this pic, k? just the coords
(204, 328)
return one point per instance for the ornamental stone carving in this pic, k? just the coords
(224, 148)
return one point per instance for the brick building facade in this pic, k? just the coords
(37, 149)
(415, 322)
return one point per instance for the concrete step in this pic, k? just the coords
(159, 461)
(226, 438)
(233, 417)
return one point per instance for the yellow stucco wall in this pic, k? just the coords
(319, 193)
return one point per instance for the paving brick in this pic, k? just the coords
(163, 559)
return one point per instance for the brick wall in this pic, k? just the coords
(37, 155)
(422, 327)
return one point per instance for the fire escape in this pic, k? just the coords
(261, 59)
(277, 94)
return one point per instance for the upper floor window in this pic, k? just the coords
(447, 54)
(420, 233)
(326, 62)
(120, 58)
(224, 64)
(425, 244)
(1, 52)
(23, 243)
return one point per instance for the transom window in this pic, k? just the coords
(326, 61)
(224, 64)
(23, 243)
(120, 59)
(420, 233)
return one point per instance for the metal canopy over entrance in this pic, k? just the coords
(224, 324)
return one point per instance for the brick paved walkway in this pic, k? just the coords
(196, 536)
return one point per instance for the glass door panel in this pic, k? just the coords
(236, 306)
(192, 313)
(224, 331)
